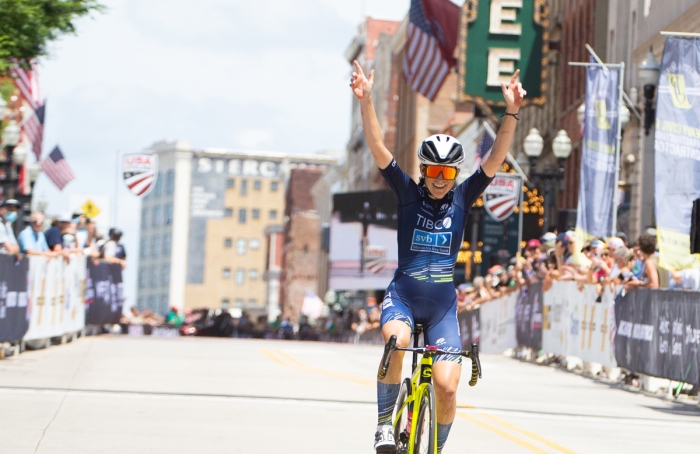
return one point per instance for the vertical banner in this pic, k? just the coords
(13, 298)
(528, 317)
(469, 328)
(597, 191)
(104, 293)
(677, 151)
(498, 325)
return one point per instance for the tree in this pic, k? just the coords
(27, 26)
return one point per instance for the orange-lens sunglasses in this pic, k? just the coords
(448, 173)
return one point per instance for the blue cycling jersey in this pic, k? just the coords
(430, 231)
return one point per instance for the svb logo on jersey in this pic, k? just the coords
(140, 172)
(501, 197)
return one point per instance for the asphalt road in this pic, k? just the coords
(112, 394)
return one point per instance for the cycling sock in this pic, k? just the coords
(443, 432)
(386, 399)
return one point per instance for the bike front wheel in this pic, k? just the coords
(401, 418)
(426, 425)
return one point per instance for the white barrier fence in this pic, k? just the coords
(56, 294)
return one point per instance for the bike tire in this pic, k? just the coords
(426, 425)
(401, 420)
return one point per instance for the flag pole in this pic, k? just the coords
(620, 89)
(116, 190)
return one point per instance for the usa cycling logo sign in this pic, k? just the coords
(140, 173)
(501, 197)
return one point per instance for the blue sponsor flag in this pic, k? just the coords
(677, 151)
(596, 194)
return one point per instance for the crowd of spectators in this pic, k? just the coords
(67, 234)
(555, 257)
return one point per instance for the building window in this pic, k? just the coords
(167, 243)
(170, 182)
(154, 276)
(139, 304)
(253, 274)
(252, 302)
(273, 185)
(144, 248)
(244, 187)
(228, 212)
(240, 276)
(143, 277)
(254, 243)
(164, 300)
(225, 303)
(165, 275)
(155, 246)
(159, 185)
(239, 302)
(241, 246)
(230, 183)
(255, 213)
(228, 242)
(226, 273)
(144, 218)
(273, 214)
(168, 218)
(257, 185)
(241, 216)
(153, 303)
(156, 215)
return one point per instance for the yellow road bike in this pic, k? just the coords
(418, 435)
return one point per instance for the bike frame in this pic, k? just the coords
(421, 379)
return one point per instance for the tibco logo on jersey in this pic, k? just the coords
(429, 224)
(444, 207)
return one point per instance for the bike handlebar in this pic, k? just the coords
(433, 351)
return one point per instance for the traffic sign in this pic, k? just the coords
(90, 209)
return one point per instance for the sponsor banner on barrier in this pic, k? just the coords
(104, 293)
(577, 322)
(498, 325)
(56, 296)
(13, 298)
(528, 316)
(658, 334)
(469, 327)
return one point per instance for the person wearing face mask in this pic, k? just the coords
(8, 214)
(432, 216)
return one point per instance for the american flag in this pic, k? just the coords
(485, 147)
(33, 109)
(56, 168)
(432, 36)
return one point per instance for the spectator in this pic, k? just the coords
(548, 240)
(81, 232)
(685, 279)
(287, 329)
(615, 243)
(174, 318)
(623, 237)
(133, 317)
(54, 235)
(113, 251)
(646, 267)
(8, 215)
(32, 240)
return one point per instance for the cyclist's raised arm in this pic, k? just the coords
(362, 87)
(513, 94)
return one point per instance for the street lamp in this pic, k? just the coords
(4, 111)
(581, 113)
(533, 144)
(19, 154)
(648, 73)
(561, 146)
(10, 136)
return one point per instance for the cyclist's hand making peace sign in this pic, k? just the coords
(360, 85)
(513, 93)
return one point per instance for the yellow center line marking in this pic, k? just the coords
(328, 373)
(270, 355)
(527, 433)
(502, 433)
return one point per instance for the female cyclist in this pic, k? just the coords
(432, 217)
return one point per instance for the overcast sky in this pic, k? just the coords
(257, 75)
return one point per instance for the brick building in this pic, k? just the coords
(302, 240)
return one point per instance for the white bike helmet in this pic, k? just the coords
(441, 149)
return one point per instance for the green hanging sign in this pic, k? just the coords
(496, 38)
